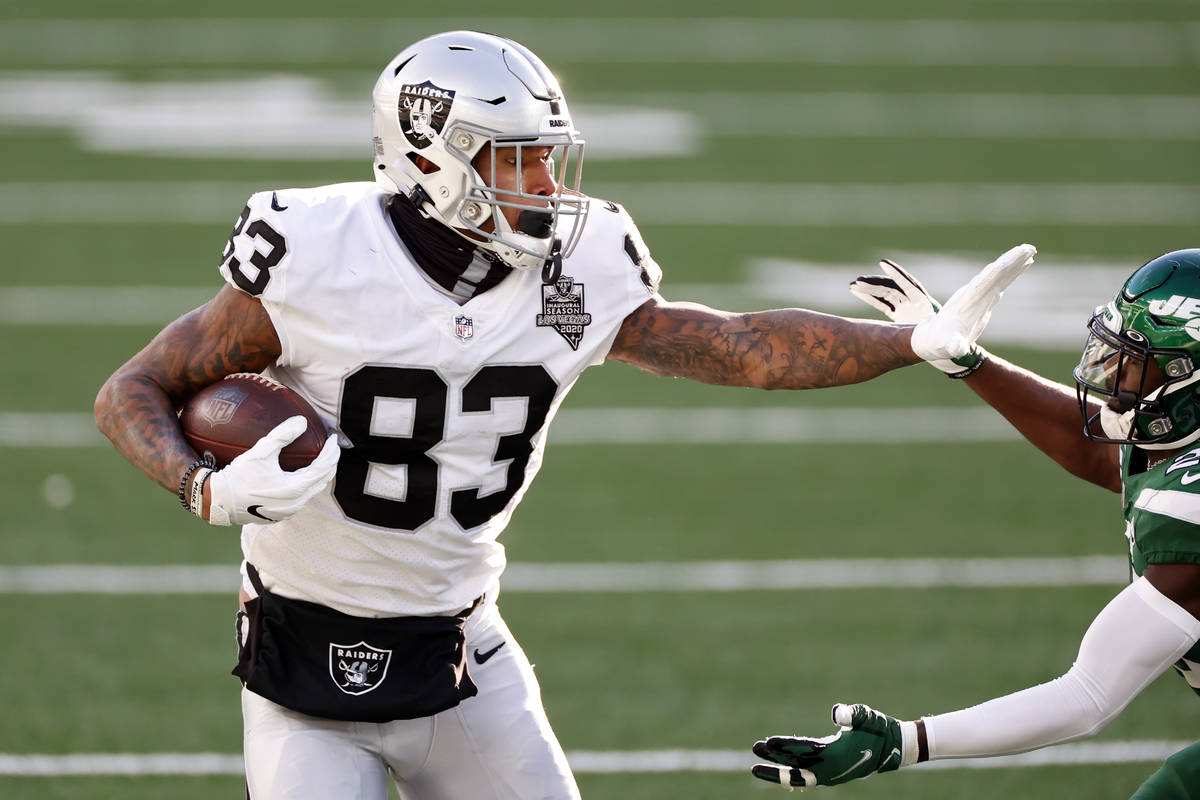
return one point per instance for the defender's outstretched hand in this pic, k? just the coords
(904, 299)
(945, 336)
(952, 331)
(868, 742)
(254, 488)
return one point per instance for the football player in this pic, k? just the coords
(1137, 388)
(436, 318)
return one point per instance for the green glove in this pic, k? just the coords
(868, 742)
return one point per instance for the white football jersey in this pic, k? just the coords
(441, 409)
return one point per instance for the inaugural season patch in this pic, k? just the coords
(423, 111)
(358, 668)
(562, 309)
(222, 405)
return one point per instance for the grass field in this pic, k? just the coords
(818, 133)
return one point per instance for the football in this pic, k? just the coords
(225, 419)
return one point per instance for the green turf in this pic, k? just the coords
(630, 503)
(619, 671)
(651, 671)
(1044, 783)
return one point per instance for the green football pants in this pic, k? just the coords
(1177, 779)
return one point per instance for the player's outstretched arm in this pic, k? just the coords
(783, 349)
(1045, 412)
(800, 349)
(1133, 640)
(137, 406)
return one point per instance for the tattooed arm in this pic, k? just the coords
(790, 348)
(138, 405)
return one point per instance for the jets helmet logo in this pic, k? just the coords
(423, 112)
(358, 668)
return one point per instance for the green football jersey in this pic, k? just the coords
(1162, 521)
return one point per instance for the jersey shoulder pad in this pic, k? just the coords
(1166, 509)
(299, 208)
(273, 223)
(1182, 474)
(611, 227)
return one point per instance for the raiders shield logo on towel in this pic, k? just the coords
(358, 668)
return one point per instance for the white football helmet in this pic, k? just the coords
(447, 97)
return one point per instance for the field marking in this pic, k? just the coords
(994, 115)
(599, 40)
(294, 116)
(582, 762)
(1048, 308)
(620, 426)
(101, 305)
(265, 117)
(1045, 310)
(699, 576)
(684, 203)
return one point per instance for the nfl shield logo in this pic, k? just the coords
(464, 327)
(222, 405)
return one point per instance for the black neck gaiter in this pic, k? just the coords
(451, 261)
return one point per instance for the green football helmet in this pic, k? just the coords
(1142, 358)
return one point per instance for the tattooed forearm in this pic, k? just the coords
(784, 349)
(137, 407)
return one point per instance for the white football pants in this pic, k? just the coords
(497, 744)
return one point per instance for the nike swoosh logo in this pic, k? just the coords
(275, 203)
(1188, 477)
(894, 754)
(253, 511)
(481, 658)
(866, 755)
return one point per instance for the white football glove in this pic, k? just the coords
(945, 336)
(904, 299)
(254, 488)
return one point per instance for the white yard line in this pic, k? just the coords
(687, 204)
(993, 115)
(273, 116)
(596, 426)
(582, 761)
(609, 40)
(701, 576)
(1044, 310)
(101, 305)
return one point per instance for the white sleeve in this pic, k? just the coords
(1133, 640)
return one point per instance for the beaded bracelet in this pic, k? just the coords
(183, 482)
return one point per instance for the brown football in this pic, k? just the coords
(225, 419)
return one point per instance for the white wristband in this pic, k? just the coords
(196, 495)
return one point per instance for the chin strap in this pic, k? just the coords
(552, 269)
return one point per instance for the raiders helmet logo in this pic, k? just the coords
(423, 111)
